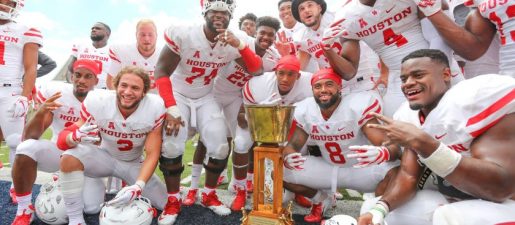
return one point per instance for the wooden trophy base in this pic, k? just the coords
(265, 216)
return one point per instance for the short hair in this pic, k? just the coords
(269, 22)
(144, 22)
(138, 71)
(106, 26)
(248, 16)
(434, 54)
(282, 1)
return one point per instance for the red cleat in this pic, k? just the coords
(239, 201)
(316, 214)
(302, 201)
(25, 218)
(191, 197)
(211, 201)
(170, 212)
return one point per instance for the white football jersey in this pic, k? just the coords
(288, 34)
(232, 77)
(65, 115)
(263, 90)
(502, 14)
(200, 60)
(13, 38)
(123, 138)
(466, 111)
(391, 27)
(100, 55)
(343, 129)
(128, 55)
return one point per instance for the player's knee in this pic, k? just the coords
(446, 215)
(171, 149)
(171, 166)
(13, 141)
(27, 146)
(70, 163)
(242, 144)
(215, 165)
(220, 152)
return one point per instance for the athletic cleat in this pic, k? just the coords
(25, 218)
(191, 197)
(222, 179)
(12, 194)
(170, 212)
(316, 214)
(302, 201)
(211, 201)
(338, 195)
(239, 201)
(250, 186)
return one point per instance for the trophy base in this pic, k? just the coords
(265, 217)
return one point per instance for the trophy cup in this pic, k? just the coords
(269, 126)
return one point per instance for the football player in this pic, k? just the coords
(18, 64)
(247, 24)
(337, 126)
(142, 54)
(465, 139)
(125, 122)
(190, 62)
(97, 50)
(59, 107)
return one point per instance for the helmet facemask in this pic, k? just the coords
(12, 12)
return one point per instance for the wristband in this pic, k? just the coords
(381, 208)
(173, 111)
(442, 161)
(141, 184)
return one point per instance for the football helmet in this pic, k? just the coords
(340, 220)
(13, 12)
(218, 5)
(49, 204)
(139, 212)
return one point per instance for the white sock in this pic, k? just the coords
(177, 195)
(23, 202)
(250, 176)
(207, 190)
(240, 184)
(224, 173)
(196, 170)
(71, 187)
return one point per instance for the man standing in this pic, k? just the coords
(192, 58)
(248, 24)
(143, 54)
(97, 51)
(125, 122)
(465, 139)
(60, 107)
(18, 64)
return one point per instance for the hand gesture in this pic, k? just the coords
(282, 45)
(19, 107)
(50, 104)
(368, 155)
(332, 33)
(370, 218)
(294, 161)
(125, 196)
(173, 121)
(227, 37)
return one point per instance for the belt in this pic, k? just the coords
(9, 85)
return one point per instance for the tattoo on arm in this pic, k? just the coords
(298, 139)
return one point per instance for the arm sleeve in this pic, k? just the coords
(47, 64)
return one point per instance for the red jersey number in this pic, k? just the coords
(200, 72)
(390, 37)
(124, 145)
(335, 152)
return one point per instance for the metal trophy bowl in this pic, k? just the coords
(269, 127)
(269, 124)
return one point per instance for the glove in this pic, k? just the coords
(126, 195)
(20, 107)
(332, 33)
(368, 155)
(429, 7)
(294, 161)
(174, 111)
(87, 133)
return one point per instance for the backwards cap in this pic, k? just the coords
(326, 74)
(88, 64)
(288, 62)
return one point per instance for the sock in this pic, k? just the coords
(177, 195)
(250, 176)
(240, 184)
(207, 190)
(71, 188)
(224, 173)
(24, 200)
(196, 170)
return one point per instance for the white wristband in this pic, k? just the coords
(443, 161)
(140, 183)
(174, 111)
(242, 45)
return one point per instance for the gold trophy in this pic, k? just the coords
(269, 126)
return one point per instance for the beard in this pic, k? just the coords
(415, 106)
(80, 94)
(97, 37)
(128, 107)
(325, 105)
(212, 28)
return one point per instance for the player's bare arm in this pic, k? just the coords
(346, 64)
(470, 42)
(42, 119)
(152, 153)
(166, 64)
(378, 138)
(296, 142)
(304, 58)
(30, 62)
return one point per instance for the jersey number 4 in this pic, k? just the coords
(335, 152)
(390, 37)
(200, 72)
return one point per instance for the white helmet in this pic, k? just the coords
(340, 220)
(139, 212)
(13, 11)
(50, 206)
(218, 5)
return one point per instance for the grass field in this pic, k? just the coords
(187, 157)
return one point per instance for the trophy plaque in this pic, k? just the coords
(269, 126)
